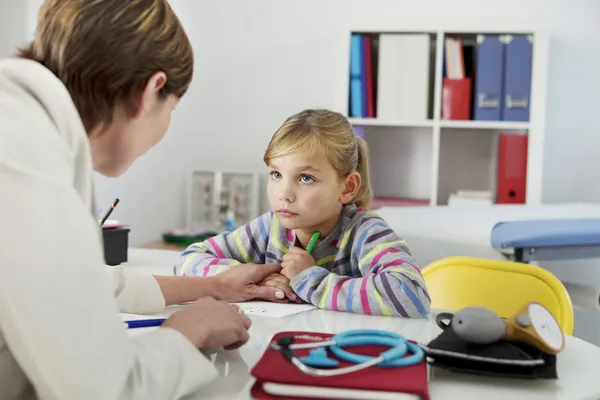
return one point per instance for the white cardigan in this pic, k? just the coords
(61, 337)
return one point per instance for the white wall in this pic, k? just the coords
(260, 61)
(13, 31)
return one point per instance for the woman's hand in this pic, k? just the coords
(243, 282)
(211, 324)
(278, 281)
(239, 283)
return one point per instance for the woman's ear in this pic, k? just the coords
(150, 94)
(351, 185)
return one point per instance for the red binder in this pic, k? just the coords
(408, 382)
(369, 76)
(511, 182)
(456, 99)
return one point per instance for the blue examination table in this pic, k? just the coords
(524, 233)
(548, 239)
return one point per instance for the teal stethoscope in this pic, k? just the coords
(401, 353)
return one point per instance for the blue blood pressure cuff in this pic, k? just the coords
(502, 358)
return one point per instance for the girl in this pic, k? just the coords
(319, 182)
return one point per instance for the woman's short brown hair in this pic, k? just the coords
(104, 51)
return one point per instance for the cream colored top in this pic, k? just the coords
(61, 337)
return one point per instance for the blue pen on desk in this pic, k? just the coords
(144, 323)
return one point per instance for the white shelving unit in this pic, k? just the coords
(430, 159)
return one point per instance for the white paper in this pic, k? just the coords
(274, 310)
(136, 317)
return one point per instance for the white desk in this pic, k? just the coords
(578, 364)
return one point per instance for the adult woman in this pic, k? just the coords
(95, 90)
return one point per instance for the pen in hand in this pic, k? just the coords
(312, 242)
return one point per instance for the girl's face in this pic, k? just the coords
(306, 192)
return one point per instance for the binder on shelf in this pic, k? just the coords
(363, 76)
(368, 108)
(456, 99)
(403, 77)
(517, 78)
(454, 61)
(374, 69)
(511, 182)
(487, 105)
(356, 97)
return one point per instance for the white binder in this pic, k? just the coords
(403, 77)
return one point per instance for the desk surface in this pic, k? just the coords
(578, 364)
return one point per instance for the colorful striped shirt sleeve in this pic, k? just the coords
(247, 244)
(380, 278)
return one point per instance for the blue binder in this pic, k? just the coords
(517, 79)
(356, 76)
(487, 104)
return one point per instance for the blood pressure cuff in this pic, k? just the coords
(502, 359)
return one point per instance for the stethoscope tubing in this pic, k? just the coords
(393, 357)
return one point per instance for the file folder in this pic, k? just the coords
(368, 107)
(487, 104)
(517, 78)
(403, 77)
(356, 76)
(511, 183)
(456, 99)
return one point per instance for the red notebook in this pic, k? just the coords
(277, 378)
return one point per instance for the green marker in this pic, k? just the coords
(313, 242)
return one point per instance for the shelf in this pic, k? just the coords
(400, 162)
(495, 125)
(416, 157)
(492, 125)
(467, 162)
(379, 122)
(379, 202)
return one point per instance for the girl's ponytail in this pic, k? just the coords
(365, 192)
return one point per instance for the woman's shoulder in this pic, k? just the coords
(30, 75)
(40, 128)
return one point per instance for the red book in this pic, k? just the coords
(456, 99)
(511, 182)
(277, 378)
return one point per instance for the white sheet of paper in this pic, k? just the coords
(135, 317)
(274, 310)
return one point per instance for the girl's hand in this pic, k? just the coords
(295, 261)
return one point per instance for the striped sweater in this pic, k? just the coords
(362, 266)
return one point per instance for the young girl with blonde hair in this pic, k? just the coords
(319, 182)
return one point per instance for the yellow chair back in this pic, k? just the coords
(502, 286)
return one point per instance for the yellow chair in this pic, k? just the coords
(502, 286)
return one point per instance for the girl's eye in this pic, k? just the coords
(306, 179)
(275, 175)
